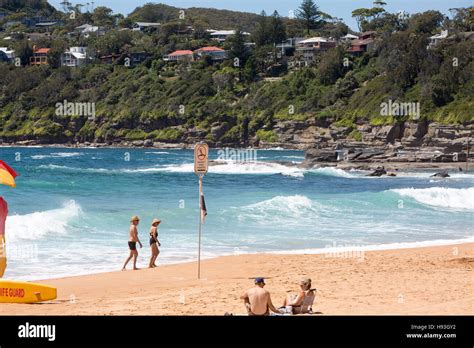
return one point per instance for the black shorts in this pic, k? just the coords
(132, 245)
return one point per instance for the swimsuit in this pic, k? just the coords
(153, 240)
(132, 245)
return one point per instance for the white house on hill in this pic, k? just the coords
(223, 35)
(74, 57)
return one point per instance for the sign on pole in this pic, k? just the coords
(201, 158)
(201, 165)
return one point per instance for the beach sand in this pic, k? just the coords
(430, 280)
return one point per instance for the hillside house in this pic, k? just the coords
(223, 35)
(179, 56)
(436, 39)
(349, 37)
(145, 26)
(6, 55)
(309, 48)
(110, 59)
(215, 53)
(364, 43)
(87, 29)
(74, 57)
(37, 36)
(40, 57)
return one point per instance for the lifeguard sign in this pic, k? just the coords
(201, 159)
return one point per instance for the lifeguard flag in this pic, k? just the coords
(3, 218)
(7, 175)
(203, 208)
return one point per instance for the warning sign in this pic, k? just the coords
(201, 158)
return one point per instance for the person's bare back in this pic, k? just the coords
(258, 298)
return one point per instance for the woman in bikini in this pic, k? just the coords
(154, 242)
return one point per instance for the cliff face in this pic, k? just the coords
(421, 141)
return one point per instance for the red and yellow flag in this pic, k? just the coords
(3, 217)
(7, 175)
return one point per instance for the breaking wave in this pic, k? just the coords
(441, 197)
(42, 224)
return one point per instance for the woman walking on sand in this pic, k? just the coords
(154, 242)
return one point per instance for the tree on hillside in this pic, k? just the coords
(425, 23)
(463, 18)
(364, 15)
(309, 14)
(277, 28)
(238, 51)
(57, 49)
(23, 50)
(261, 32)
(103, 16)
(237, 45)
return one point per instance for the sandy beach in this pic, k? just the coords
(424, 281)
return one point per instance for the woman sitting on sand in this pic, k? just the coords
(154, 242)
(302, 301)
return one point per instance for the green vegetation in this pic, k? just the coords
(227, 102)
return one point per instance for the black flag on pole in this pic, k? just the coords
(203, 208)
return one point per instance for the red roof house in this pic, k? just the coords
(40, 57)
(180, 55)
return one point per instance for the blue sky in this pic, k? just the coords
(338, 8)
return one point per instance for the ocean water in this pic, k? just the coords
(70, 212)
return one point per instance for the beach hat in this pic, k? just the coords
(134, 218)
(156, 221)
(260, 281)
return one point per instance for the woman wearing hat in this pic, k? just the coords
(154, 242)
(302, 301)
(132, 242)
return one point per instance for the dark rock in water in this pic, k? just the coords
(443, 174)
(391, 174)
(321, 155)
(378, 172)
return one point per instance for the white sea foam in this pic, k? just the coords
(230, 167)
(374, 247)
(42, 224)
(331, 171)
(441, 196)
(281, 209)
(58, 155)
(158, 153)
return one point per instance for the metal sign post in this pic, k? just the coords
(201, 165)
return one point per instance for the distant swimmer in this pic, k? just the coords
(132, 242)
(154, 242)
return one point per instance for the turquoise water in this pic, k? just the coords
(70, 212)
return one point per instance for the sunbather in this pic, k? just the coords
(300, 302)
(257, 300)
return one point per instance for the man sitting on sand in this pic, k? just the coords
(132, 242)
(257, 300)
